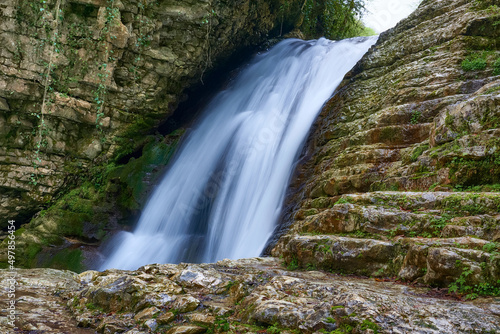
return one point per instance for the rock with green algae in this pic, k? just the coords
(66, 235)
(403, 234)
(408, 126)
(407, 105)
(273, 299)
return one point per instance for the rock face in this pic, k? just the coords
(83, 80)
(245, 296)
(412, 124)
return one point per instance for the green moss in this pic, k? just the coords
(70, 259)
(470, 172)
(344, 200)
(135, 136)
(471, 203)
(390, 134)
(321, 203)
(31, 251)
(155, 153)
(310, 212)
(418, 151)
(108, 190)
(496, 67)
(493, 89)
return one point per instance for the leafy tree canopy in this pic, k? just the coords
(333, 19)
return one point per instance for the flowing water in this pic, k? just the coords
(223, 192)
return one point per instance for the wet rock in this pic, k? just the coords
(201, 318)
(186, 330)
(165, 318)
(147, 313)
(349, 255)
(151, 324)
(305, 301)
(185, 304)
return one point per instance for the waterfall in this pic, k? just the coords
(223, 192)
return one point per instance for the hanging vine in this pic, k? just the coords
(52, 31)
(111, 13)
(207, 21)
(143, 38)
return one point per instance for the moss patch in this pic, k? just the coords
(70, 259)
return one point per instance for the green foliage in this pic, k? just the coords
(496, 67)
(490, 247)
(333, 19)
(474, 64)
(221, 325)
(478, 61)
(462, 286)
(415, 116)
(366, 31)
(343, 329)
(439, 223)
(367, 324)
(274, 329)
(311, 267)
(293, 264)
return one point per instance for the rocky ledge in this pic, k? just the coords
(246, 296)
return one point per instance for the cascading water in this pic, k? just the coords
(223, 193)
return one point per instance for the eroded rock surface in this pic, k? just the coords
(246, 296)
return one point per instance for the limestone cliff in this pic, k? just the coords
(82, 81)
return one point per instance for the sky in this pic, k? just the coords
(385, 14)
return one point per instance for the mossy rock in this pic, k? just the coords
(110, 193)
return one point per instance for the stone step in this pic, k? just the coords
(473, 203)
(387, 222)
(433, 261)
(394, 115)
(366, 154)
(394, 135)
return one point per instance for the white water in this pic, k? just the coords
(223, 193)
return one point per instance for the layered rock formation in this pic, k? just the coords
(84, 80)
(418, 114)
